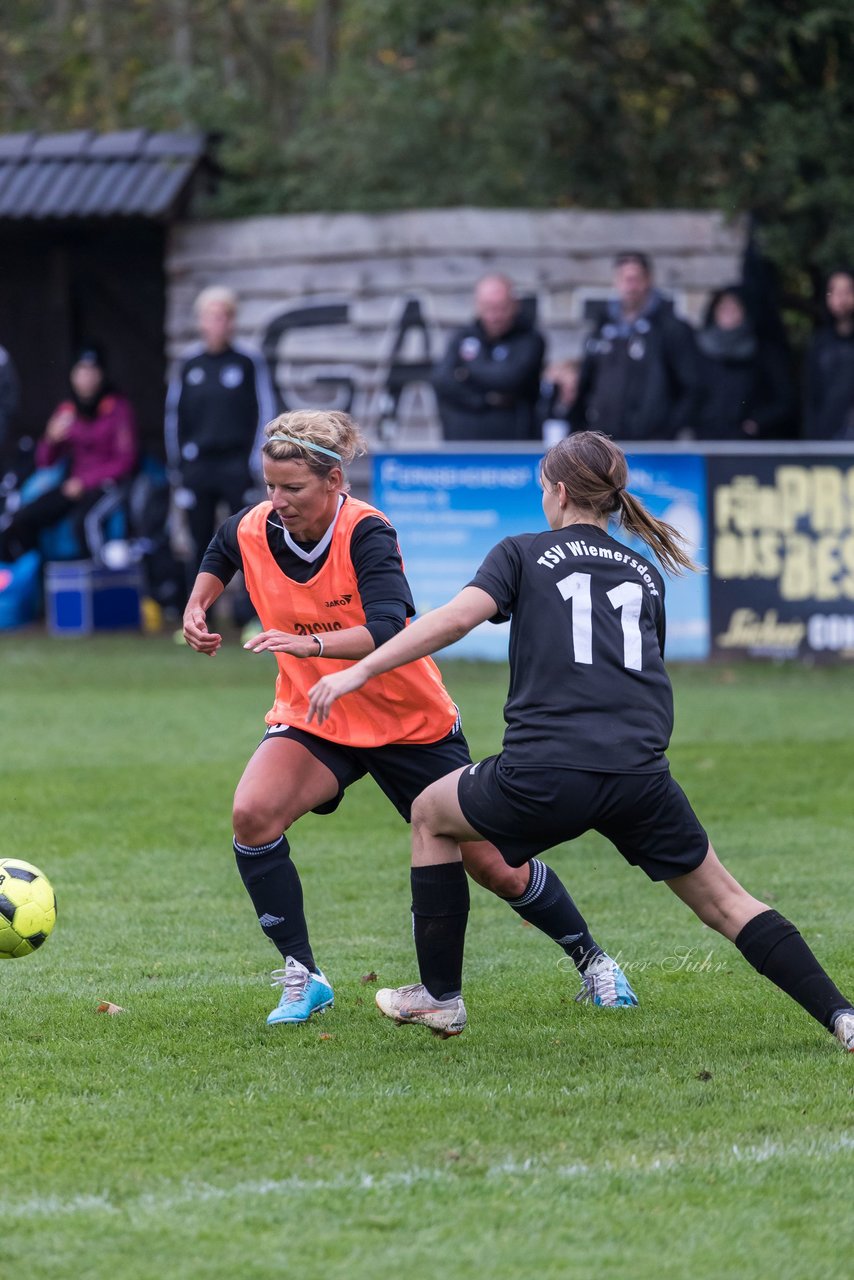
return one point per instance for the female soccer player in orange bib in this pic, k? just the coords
(324, 573)
(589, 718)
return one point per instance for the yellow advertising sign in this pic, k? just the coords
(782, 555)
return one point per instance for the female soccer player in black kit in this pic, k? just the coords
(589, 716)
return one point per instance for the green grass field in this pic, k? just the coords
(709, 1133)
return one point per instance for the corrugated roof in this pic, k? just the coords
(129, 174)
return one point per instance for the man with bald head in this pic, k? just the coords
(489, 380)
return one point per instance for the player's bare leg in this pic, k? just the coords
(438, 824)
(767, 941)
(716, 897)
(281, 782)
(487, 868)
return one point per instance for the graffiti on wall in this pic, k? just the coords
(386, 394)
(386, 389)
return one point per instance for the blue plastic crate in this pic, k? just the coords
(82, 597)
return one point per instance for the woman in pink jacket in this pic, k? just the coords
(95, 433)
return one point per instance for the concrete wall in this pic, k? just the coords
(363, 269)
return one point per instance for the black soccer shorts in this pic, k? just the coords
(526, 811)
(400, 770)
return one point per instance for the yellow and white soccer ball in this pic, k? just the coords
(27, 908)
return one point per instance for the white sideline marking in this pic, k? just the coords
(190, 1193)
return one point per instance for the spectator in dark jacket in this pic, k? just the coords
(639, 375)
(488, 383)
(220, 398)
(829, 374)
(746, 389)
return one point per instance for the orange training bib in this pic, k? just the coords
(409, 705)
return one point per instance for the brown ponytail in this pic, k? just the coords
(594, 472)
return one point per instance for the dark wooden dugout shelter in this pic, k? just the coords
(83, 224)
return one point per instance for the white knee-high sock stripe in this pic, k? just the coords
(535, 885)
(252, 850)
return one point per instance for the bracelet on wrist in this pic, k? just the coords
(317, 638)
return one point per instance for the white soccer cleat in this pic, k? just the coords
(603, 983)
(843, 1029)
(414, 1005)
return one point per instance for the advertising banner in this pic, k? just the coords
(450, 509)
(782, 573)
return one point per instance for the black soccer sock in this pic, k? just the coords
(272, 882)
(440, 910)
(774, 947)
(547, 905)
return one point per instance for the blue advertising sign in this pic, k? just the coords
(449, 509)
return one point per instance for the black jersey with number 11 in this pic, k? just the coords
(588, 688)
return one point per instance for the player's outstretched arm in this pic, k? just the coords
(206, 589)
(435, 630)
(353, 642)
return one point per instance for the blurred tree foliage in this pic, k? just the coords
(376, 104)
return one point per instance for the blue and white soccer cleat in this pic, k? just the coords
(303, 993)
(603, 983)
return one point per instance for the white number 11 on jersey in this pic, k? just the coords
(628, 597)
